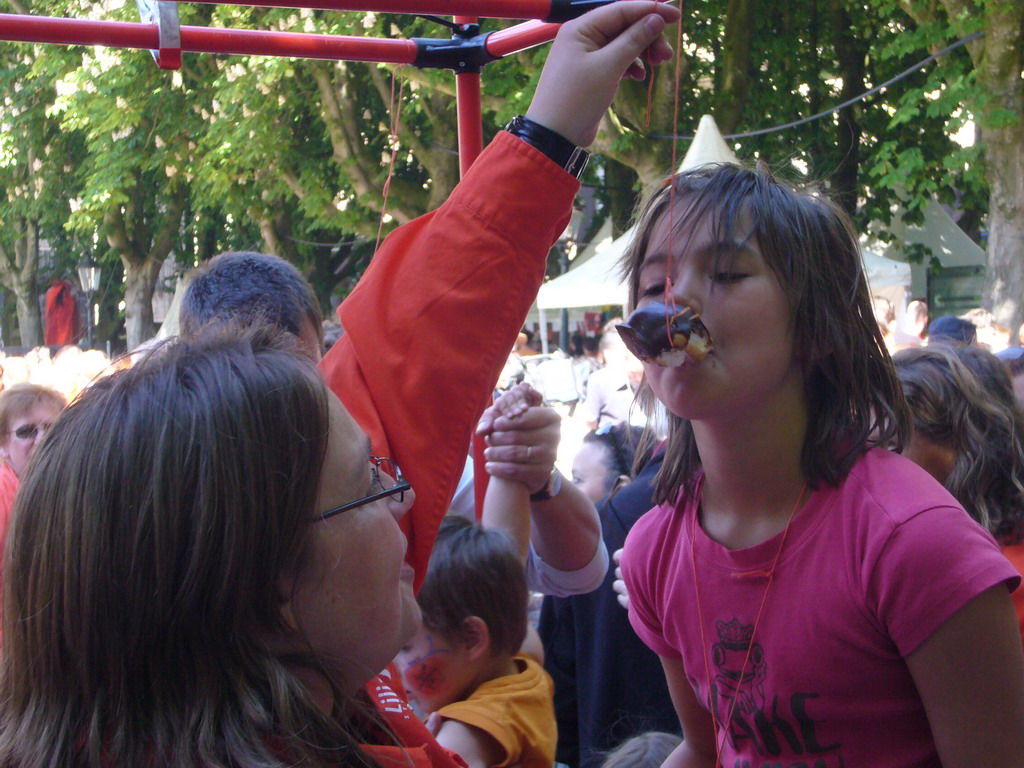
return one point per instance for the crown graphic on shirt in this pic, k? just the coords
(734, 634)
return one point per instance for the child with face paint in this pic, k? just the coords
(487, 702)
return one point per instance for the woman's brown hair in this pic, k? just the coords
(144, 568)
(961, 399)
(854, 400)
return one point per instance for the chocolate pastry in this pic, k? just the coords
(666, 336)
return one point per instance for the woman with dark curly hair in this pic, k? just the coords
(968, 432)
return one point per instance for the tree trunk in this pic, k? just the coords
(19, 276)
(1003, 132)
(1004, 157)
(142, 256)
(29, 324)
(621, 180)
(139, 282)
(852, 53)
(732, 73)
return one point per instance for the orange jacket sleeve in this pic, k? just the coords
(434, 317)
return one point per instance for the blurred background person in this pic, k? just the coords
(26, 413)
(952, 330)
(611, 391)
(910, 331)
(885, 316)
(609, 686)
(604, 462)
(1012, 359)
(648, 750)
(968, 433)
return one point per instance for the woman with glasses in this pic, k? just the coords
(26, 412)
(204, 568)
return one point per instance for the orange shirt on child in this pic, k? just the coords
(517, 711)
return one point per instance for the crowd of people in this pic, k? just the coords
(238, 550)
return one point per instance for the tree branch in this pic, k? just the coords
(117, 234)
(163, 241)
(338, 127)
(295, 185)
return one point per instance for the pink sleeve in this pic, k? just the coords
(644, 573)
(931, 566)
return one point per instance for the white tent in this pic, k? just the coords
(883, 272)
(593, 280)
(938, 232)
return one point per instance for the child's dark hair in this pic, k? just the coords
(647, 750)
(853, 397)
(621, 442)
(475, 572)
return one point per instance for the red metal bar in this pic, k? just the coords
(520, 37)
(471, 144)
(125, 34)
(471, 134)
(492, 9)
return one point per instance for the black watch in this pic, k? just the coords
(558, 148)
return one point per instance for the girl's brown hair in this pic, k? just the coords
(144, 567)
(961, 399)
(854, 400)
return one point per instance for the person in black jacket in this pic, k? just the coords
(609, 686)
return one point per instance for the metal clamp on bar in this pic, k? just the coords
(163, 13)
(464, 52)
(567, 10)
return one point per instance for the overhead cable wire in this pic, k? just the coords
(854, 100)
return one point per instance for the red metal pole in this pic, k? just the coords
(124, 34)
(471, 134)
(520, 37)
(471, 144)
(493, 9)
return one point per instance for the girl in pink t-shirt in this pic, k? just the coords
(816, 600)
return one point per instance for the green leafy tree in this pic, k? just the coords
(37, 180)
(139, 124)
(991, 87)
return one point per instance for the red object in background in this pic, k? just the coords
(62, 323)
(593, 321)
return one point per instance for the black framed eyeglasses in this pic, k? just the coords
(380, 464)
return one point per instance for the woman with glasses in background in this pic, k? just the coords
(26, 412)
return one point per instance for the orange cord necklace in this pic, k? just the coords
(720, 741)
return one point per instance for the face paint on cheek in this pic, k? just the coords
(427, 677)
(424, 674)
